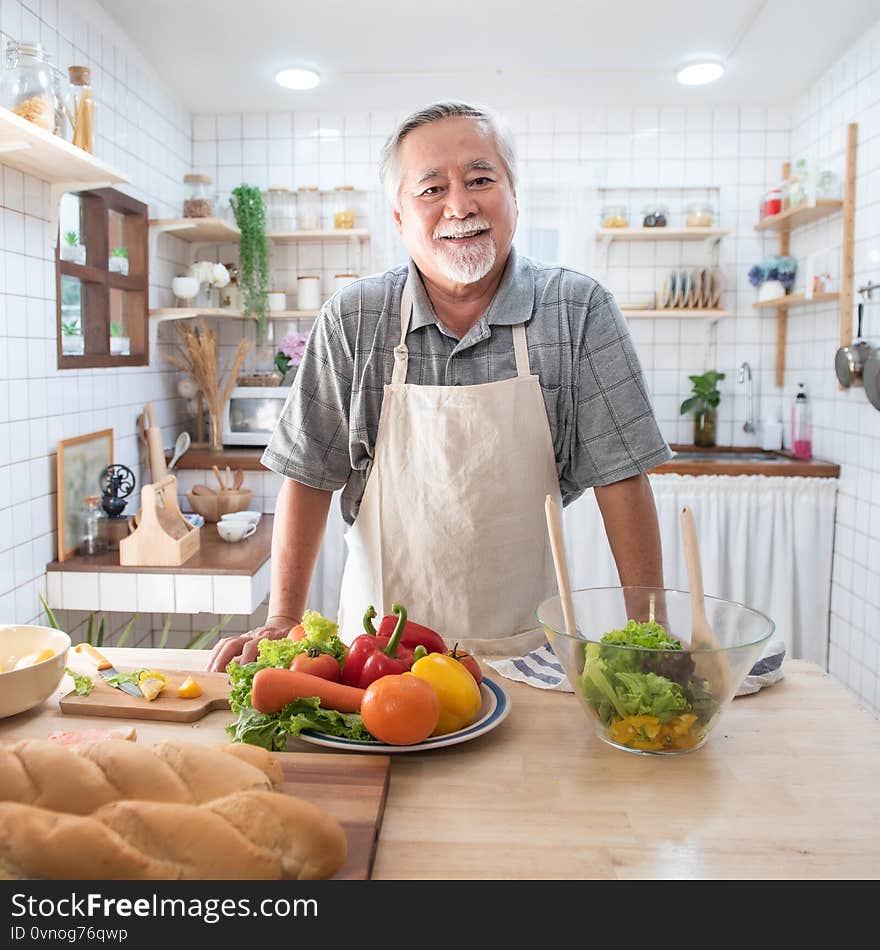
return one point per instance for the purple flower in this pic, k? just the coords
(293, 346)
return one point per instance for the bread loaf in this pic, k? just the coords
(81, 779)
(244, 836)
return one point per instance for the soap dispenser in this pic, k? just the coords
(801, 425)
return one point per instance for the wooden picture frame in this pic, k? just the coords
(79, 465)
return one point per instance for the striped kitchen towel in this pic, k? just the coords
(541, 668)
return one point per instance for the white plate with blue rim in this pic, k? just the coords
(493, 711)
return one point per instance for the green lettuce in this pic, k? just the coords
(82, 684)
(648, 634)
(646, 694)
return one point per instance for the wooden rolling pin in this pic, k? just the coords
(155, 450)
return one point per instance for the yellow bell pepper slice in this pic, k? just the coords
(151, 683)
(189, 689)
(457, 690)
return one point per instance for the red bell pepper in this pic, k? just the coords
(370, 656)
(414, 634)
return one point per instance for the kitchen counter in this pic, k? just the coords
(742, 460)
(784, 789)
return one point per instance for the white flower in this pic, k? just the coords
(203, 271)
(220, 276)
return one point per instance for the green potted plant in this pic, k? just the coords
(71, 250)
(703, 403)
(119, 260)
(253, 254)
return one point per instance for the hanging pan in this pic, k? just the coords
(871, 377)
(849, 363)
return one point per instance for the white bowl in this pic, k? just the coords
(251, 517)
(27, 687)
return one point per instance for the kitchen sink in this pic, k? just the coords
(697, 456)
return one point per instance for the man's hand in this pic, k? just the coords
(243, 648)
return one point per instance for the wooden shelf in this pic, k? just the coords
(333, 234)
(293, 314)
(204, 458)
(678, 312)
(710, 235)
(198, 230)
(794, 300)
(801, 214)
(187, 313)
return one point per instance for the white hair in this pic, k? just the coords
(390, 173)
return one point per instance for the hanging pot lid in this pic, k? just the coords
(871, 378)
(849, 361)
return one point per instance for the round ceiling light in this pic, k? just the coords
(698, 74)
(297, 78)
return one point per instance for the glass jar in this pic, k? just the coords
(772, 203)
(655, 216)
(308, 293)
(230, 295)
(82, 108)
(26, 84)
(280, 209)
(94, 538)
(60, 98)
(198, 203)
(342, 208)
(615, 216)
(699, 214)
(308, 208)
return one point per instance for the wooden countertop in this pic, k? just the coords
(718, 462)
(246, 458)
(784, 789)
(215, 556)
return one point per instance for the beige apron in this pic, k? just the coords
(452, 521)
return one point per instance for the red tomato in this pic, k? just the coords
(322, 665)
(297, 633)
(468, 662)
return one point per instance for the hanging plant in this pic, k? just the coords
(253, 253)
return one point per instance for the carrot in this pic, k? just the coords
(274, 687)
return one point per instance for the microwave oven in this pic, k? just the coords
(251, 413)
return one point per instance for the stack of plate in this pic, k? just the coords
(697, 289)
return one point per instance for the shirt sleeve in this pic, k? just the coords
(310, 441)
(615, 433)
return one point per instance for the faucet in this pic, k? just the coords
(745, 374)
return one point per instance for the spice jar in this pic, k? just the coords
(772, 203)
(26, 84)
(280, 209)
(82, 107)
(198, 203)
(308, 293)
(699, 215)
(230, 295)
(308, 208)
(655, 216)
(342, 209)
(60, 96)
(615, 216)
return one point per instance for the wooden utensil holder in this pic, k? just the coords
(163, 537)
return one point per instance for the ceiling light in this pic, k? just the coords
(297, 78)
(698, 74)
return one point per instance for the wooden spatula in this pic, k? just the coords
(557, 545)
(713, 667)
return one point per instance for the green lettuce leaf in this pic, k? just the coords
(82, 685)
(646, 694)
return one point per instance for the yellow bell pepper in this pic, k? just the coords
(189, 689)
(457, 690)
(151, 683)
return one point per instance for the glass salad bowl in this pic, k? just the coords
(632, 666)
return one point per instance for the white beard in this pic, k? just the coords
(466, 265)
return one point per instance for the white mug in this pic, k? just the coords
(234, 531)
(248, 517)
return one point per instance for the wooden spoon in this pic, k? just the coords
(557, 545)
(239, 479)
(220, 479)
(713, 667)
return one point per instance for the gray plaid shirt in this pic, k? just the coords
(601, 420)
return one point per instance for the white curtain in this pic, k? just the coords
(764, 542)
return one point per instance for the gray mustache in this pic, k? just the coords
(459, 230)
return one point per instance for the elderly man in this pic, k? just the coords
(446, 398)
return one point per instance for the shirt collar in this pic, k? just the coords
(514, 300)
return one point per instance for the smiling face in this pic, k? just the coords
(456, 210)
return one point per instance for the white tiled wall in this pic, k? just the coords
(846, 426)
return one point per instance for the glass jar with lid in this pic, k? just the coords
(308, 208)
(26, 86)
(699, 214)
(342, 208)
(280, 209)
(82, 108)
(614, 216)
(198, 203)
(94, 537)
(655, 216)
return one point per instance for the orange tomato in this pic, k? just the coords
(322, 665)
(400, 709)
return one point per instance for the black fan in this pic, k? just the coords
(117, 483)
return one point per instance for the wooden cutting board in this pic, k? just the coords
(350, 787)
(106, 700)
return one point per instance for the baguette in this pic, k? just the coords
(81, 779)
(244, 836)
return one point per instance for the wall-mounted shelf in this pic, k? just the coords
(198, 230)
(794, 300)
(786, 221)
(331, 234)
(293, 314)
(683, 313)
(161, 314)
(36, 152)
(709, 235)
(800, 215)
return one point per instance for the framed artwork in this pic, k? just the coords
(80, 463)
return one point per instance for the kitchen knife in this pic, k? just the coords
(107, 669)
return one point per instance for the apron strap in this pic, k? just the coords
(401, 354)
(521, 350)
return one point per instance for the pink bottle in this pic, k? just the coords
(801, 426)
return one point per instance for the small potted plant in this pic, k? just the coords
(703, 403)
(71, 338)
(71, 250)
(119, 260)
(774, 276)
